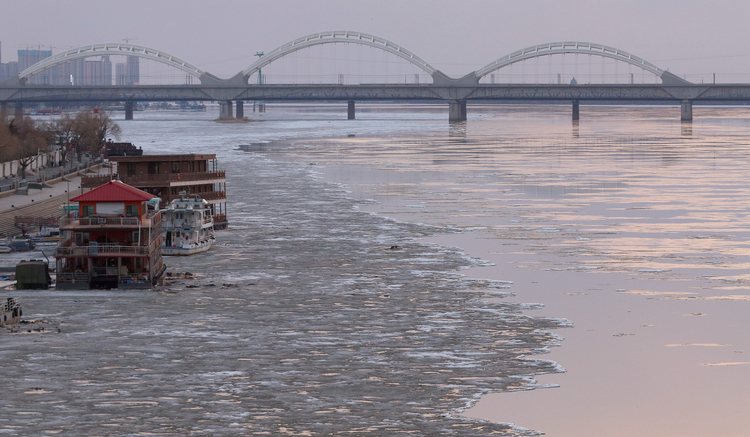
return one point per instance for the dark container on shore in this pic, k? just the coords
(32, 274)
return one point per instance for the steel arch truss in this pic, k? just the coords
(575, 47)
(111, 49)
(337, 37)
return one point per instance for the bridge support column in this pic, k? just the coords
(19, 111)
(129, 105)
(240, 110)
(225, 109)
(457, 110)
(576, 115)
(3, 110)
(686, 110)
(350, 110)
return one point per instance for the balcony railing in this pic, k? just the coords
(165, 179)
(67, 249)
(102, 249)
(152, 220)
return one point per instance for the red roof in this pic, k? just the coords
(114, 191)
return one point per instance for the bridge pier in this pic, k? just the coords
(350, 110)
(240, 110)
(225, 109)
(457, 110)
(129, 105)
(19, 111)
(576, 114)
(686, 110)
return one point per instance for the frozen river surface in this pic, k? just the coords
(307, 317)
(395, 275)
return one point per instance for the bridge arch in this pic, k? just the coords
(339, 36)
(577, 47)
(112, 49)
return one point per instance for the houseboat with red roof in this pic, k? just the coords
(114, 240)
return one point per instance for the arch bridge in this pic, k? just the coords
(456, 90)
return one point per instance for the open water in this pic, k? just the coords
(397, 275)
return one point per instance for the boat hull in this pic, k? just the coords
(184, 251)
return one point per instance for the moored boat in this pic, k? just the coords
(17, 245)
(46, 235)
(10, 312)
(187, 225)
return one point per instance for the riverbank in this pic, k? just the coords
(44, 202)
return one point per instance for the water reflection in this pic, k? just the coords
(627, 231)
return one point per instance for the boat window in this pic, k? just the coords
(82, 238)
(175, 167)
(153, 168)
(131, 210)
(131, 168)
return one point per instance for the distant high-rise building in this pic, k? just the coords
(29, 57)
(120, 74)
(133, 71)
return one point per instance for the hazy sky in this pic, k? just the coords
(456, 36)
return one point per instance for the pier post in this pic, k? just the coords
(225, 109)
(19, 111)
(3, 110)
(350, 110)
(240, 110)
(576, 114)
(457, 110)
(686, 110)
(129, 110)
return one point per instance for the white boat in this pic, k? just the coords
(46, 235)
(187, 225)
(10, 312)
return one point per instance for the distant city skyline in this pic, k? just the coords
(90, 71)
(686, 37)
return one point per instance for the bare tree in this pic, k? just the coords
(9, 142)
(90, 130)
(64, 135)
(32, 140)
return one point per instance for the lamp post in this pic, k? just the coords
(261, 104)
(260, 71)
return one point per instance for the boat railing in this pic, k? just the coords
(70, 277)
(95, 181)
(173, 177)
(214, 195)
(8, 305)
(105, 271)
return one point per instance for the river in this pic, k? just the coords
(397, 275)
